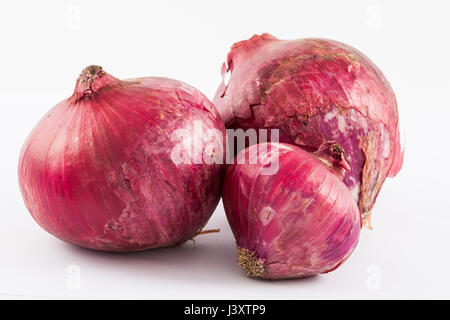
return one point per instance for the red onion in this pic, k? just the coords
(296, 221)
(103, 168)
(314, 91)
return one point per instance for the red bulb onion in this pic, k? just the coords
(313, 91)
(290, 213)
(101, 169)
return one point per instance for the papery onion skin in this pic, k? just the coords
(298, 222)
(97, 170)
(316, 90)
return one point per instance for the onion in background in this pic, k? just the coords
(314, 91)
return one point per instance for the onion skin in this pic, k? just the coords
(97, 170)
(298, 222)
(316, 90)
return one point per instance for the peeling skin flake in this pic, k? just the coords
(317, 90)
(266, 215)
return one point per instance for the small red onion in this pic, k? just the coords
(289, 211)
(316, 90)
(101, 169)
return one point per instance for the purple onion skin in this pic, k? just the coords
(97, 170)
(296, 223)
(313, 91)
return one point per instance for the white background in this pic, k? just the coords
(45, 44)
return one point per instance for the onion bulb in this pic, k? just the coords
(290, 212)
(115, 166)
(314, 91)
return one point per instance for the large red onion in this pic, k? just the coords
(314, 91)
(117, 167)
(290, 213)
